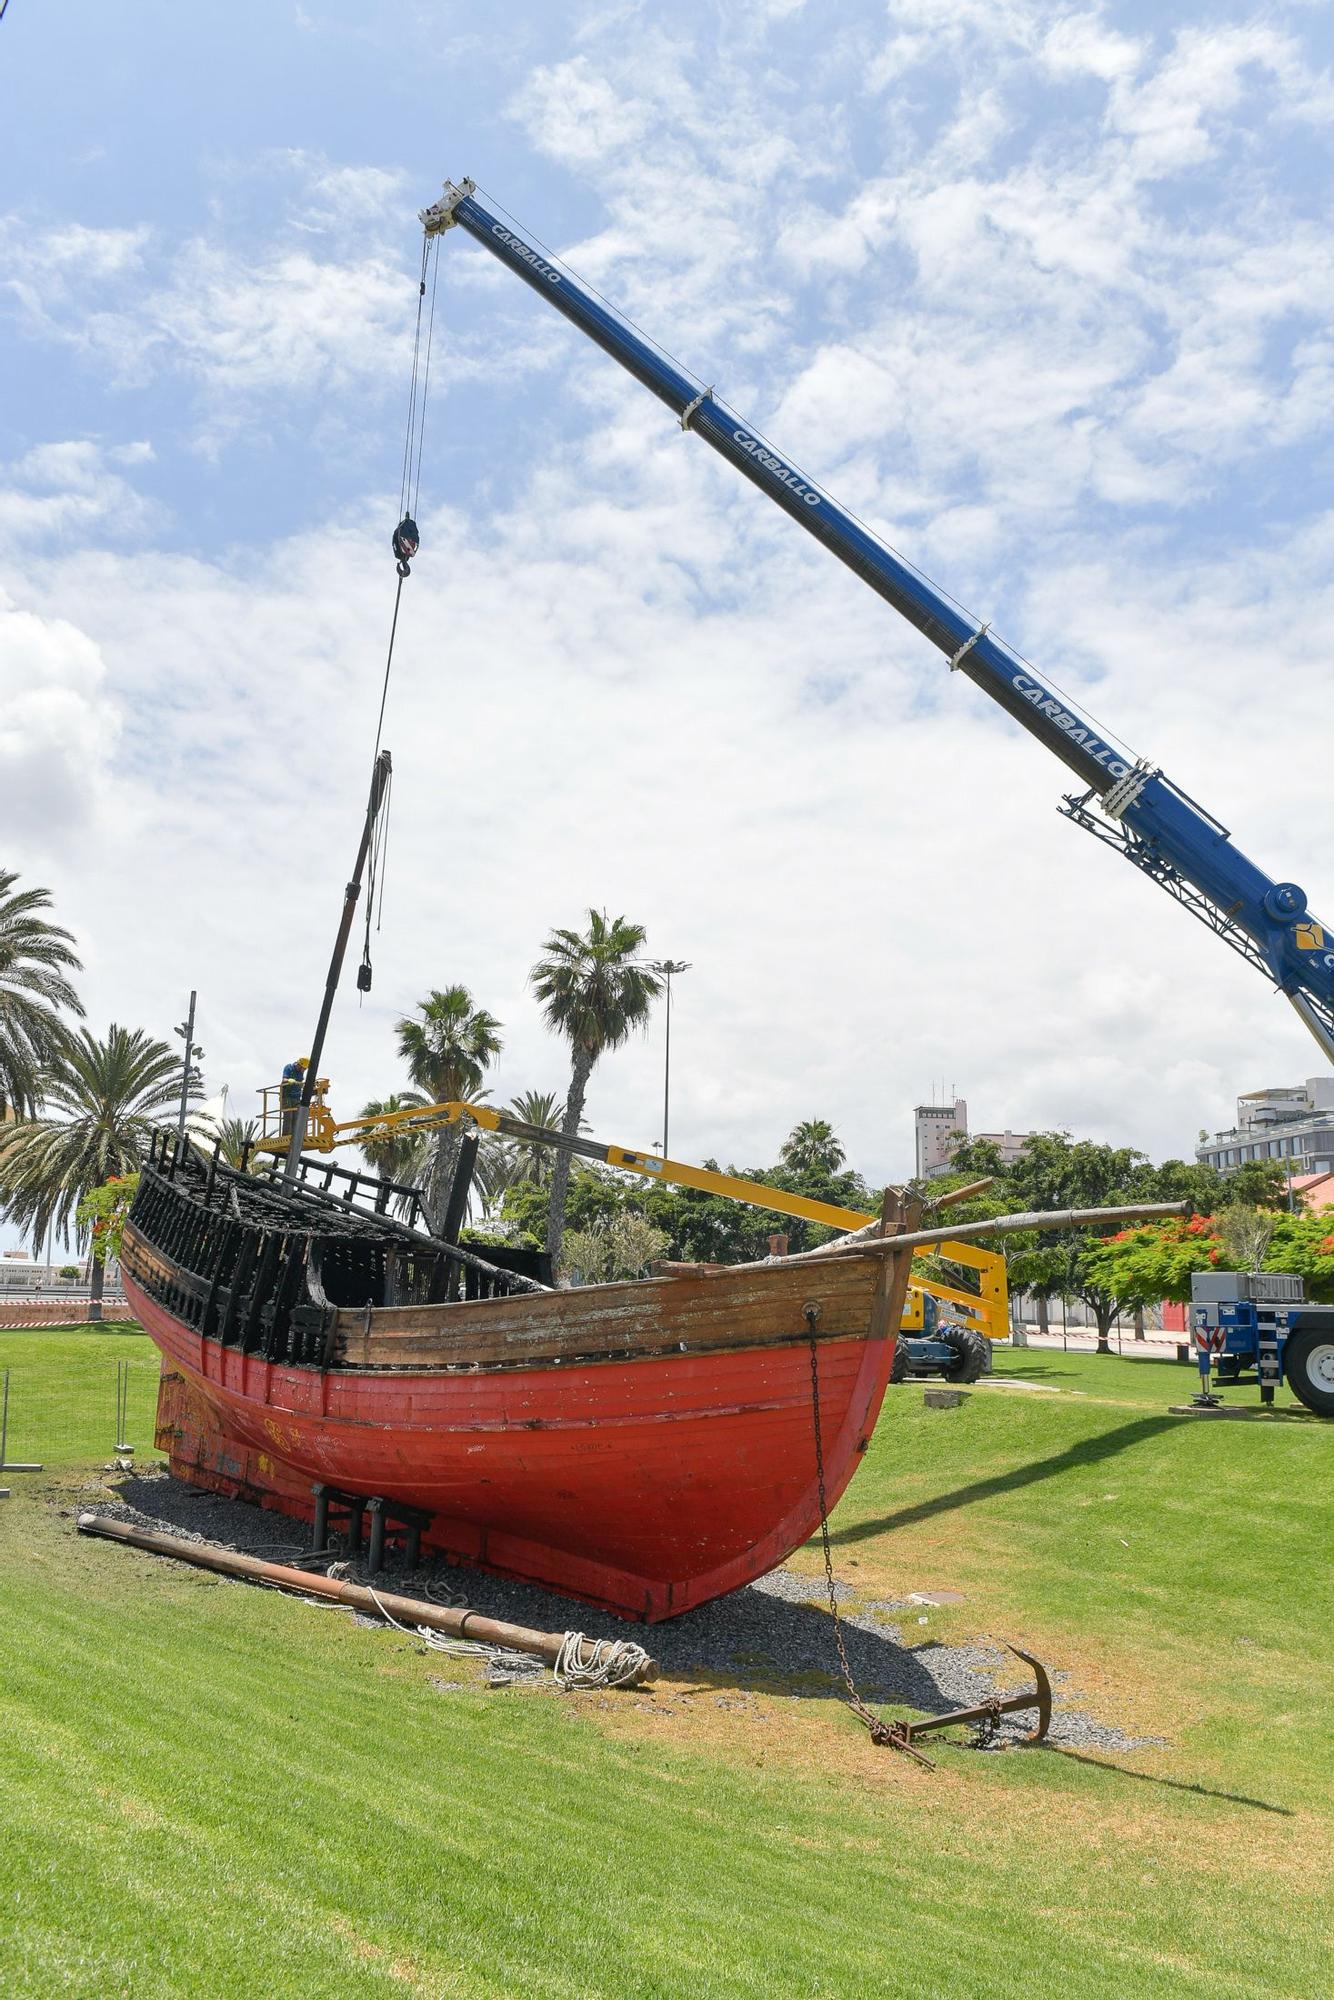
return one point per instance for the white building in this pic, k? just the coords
(1008, 1144)
(936, 1127)
(1288, 1122)
(939, 1130)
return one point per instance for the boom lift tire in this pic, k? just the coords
(898, 1367)
(1308, 1363)
(971, 1348)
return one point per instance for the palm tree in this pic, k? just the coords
(447, 1051)
(534, 1161)
(506, 1163)
(812, 1148)
(393, 1154)
(594, 994)
(235, 1139)
(107, 1097)
(34, 958)
(497, 1171)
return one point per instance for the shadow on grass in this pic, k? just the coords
(1171, 1784)
(1087, 1354)
(1089, 1451)
(774, 1637)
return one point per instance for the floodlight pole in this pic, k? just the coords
(666, 968)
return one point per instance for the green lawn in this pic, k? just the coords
(211, 1791)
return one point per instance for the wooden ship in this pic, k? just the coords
(645, 1446)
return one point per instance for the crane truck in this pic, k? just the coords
(1125, 801)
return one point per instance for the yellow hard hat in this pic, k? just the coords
(303, 1062)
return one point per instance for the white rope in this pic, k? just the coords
(580, 1663)
(598, 1663)
(437, 1642)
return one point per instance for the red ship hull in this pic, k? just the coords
(645, 1485)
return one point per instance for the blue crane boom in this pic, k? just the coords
(1151, 821)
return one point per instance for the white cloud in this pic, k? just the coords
(57, 726)
(1024, 349)
(245, 323)
(64, 489)
(338, 197)
(856, 853)
(1082, 45)
(576, 115)
(293, 322)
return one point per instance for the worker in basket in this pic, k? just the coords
(294, 1079)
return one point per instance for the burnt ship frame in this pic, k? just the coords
(264, 1265)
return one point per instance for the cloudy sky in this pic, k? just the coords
(1041, 291)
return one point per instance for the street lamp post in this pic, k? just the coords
(667, 968)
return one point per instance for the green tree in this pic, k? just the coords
(1157, 1259)
(1245, 1234)
(448, 1048)
(103, 1214)
(621, 1246)
(505, 1163)
(1055, 1171)
(107, 1097)
(700, 1228)
(1256, 1183)
(1304, 1245)
(812, 1147)
(35, 957)
(595, 995)
(1154, 1261)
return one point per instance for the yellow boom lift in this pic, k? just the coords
(930, 1299)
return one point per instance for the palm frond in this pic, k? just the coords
(35, 957)
(108, 1096)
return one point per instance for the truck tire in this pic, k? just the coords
(970, 1348)
(898, 1369)
(1308, 1363)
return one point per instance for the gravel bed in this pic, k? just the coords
(774, 1636)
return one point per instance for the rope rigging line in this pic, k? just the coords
(410, 434)
(405, 541)
(434, 242)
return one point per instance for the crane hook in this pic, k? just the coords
(405, 543)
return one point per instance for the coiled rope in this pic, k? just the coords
(580, 1663)
(598, 1663)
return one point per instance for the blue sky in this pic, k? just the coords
(1042, 291)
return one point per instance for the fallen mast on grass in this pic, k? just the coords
(634, 1663)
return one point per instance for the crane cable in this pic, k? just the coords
(405, 541)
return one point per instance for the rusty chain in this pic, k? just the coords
(882, 1734)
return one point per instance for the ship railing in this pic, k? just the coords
(352, 1187)
(246, 1265)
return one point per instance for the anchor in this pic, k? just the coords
(903, 1735)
